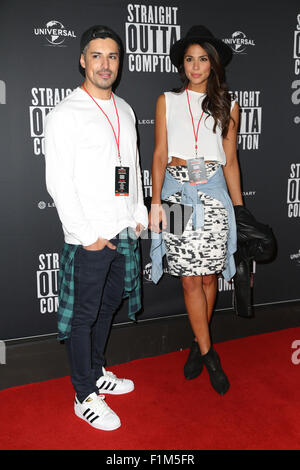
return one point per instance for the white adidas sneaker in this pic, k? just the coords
(109, 383)
(97, 413)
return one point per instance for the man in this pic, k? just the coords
(93, 176)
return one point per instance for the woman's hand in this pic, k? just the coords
(231, 169)
(138, 229)
(157, 218)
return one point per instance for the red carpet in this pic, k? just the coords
(260, 411)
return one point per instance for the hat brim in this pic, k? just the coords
(178, 48)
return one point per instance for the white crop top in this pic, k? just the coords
(181, 140)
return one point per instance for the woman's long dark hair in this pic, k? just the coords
(217, 102)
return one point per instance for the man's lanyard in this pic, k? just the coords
(195, 133)
(121, 172)
(117, 139)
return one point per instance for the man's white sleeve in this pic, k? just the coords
(60, 158)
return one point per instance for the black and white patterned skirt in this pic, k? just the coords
(203, 251)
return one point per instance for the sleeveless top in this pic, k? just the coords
(181, 140)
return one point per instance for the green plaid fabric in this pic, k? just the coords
(66, 290)
(127, 246)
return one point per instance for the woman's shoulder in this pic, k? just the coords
(166, 99)
(171, 95)
(161, 99)
(174, 93)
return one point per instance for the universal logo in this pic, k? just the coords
(2, 92)
(239, 42)
(55, 33)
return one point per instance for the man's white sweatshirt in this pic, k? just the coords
(81, 156)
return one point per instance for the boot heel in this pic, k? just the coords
(194, 364)
(217, 376)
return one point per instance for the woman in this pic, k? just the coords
(195, 148)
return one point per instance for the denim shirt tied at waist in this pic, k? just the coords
(215, 187)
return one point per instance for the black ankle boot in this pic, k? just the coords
(217, 376)
(194, 364)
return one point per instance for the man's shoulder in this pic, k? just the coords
(67, 105)
(125, 108)
(123, 103)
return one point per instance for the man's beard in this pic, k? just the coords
(104, 84)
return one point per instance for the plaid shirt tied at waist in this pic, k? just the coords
(127, 246)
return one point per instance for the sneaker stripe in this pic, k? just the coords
(90, 415)
(113, 387)
(108, 385)
(93, 419)
(102, 385)
(86, 411)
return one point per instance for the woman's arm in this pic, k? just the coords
(160, 160)
(231, 169)
(160, 155)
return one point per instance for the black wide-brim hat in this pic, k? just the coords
(196, 35)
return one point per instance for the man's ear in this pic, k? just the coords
(82, 61)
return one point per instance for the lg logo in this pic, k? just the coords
(2, 92)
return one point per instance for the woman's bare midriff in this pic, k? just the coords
(180, 162)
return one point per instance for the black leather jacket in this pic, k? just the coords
(255, 241)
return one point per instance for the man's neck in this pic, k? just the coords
(98, 93)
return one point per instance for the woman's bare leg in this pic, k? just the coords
(200, 295)
(196, 305)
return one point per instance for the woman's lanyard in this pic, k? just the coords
(196, 166)
(121, 172)
(195, 132)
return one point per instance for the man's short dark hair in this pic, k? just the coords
(102, 32)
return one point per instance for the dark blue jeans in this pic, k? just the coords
(98, 284)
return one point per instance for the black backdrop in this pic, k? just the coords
(39, 50)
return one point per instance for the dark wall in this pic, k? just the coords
(39, 67)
